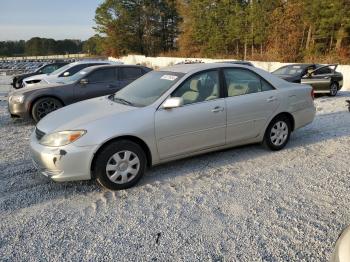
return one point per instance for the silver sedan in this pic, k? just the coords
(165, 115)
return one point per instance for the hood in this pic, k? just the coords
(78, 114)
(29, 89)
(26, 75)
(36, 77)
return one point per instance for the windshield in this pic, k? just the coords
(289, 70)
(60, 70)
(147, 89)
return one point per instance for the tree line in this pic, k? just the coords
(281, 30)
(37, 46)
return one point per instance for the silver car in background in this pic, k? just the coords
(165, 115)
(66, 71)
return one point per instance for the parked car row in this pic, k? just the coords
(110, 122)
(42, 94)
(27, 65)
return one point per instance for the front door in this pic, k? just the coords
(99, 83)
(197, 125)
(320, 79)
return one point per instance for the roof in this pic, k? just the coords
(91, 68)
(188, 68)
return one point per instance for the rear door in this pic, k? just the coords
(100, 82)
(250, 102)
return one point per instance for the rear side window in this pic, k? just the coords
(77, 68)
(102, 75)
(265, 86)
(127, 73)
(241, 82)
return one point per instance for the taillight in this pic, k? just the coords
(312, 93)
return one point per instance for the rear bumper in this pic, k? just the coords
(66, 163)
(304, 117)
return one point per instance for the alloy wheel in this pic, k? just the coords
(46, 107)
(333, 89)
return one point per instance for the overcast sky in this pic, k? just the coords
(58, 19)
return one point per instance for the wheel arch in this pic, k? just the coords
(132, 138)
(286, 114)
(40, 97)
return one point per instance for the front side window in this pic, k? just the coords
(102, 75)
(289, 70)
(241, 82)
(48, 69)
(198, 88)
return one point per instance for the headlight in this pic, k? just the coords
(61, 138)
(17, 99)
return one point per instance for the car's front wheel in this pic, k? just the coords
(333, 89)
(44, 106)
(119, 165)
(277, 133)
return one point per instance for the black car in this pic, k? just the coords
(37, 101)
(323, 78)
(45, 69)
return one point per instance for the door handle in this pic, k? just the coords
(217, 109)
(271, 99)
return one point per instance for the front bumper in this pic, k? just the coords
(66, 163)
(18, 110)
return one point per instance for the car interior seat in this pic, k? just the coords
(192, 95)
(253, 87)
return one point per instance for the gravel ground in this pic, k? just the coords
(243, 204)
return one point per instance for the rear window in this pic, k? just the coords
(102, 75)
(130, 73)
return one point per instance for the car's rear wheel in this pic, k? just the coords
(278, 133)
(333, 89)
(44, 106)
(120, 165)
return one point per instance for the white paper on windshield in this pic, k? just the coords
(168, 77)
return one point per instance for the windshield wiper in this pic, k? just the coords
(123, 101)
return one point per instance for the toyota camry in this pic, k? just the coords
(165, 115)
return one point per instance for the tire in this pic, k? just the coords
(44, 106)
(17, 84)
(278, 133)
(333, 89)
(113, 165)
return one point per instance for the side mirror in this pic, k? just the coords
(84, 81)
(66, 74)
(173, 102)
